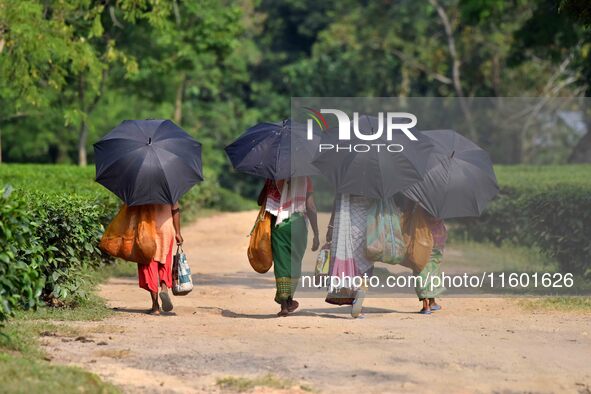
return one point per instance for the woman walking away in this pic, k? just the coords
(347, 236)
(429, 291)
(290, 202)
(425, 253)
(157, 275)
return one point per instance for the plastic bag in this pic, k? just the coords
(182, 283)
(322, 264)
(385, 242)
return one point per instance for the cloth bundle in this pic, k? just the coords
(417, 238)
(132, 234)
(260, 253)
(385, 241)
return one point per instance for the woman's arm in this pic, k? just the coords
(176, 221)
(331, 222)
(312, 214)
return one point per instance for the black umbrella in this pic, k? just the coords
(275, 150)
(148, 162)
(461, 180)
(374, 169)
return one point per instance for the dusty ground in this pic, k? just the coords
(227, 327)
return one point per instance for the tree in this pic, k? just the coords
(560, 30)
(34, 53)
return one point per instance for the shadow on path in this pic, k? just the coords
(140, 311)
(325, 313)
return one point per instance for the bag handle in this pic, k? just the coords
(179, 247)
(260, 216)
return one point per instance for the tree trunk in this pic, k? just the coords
(178, 104)
(456, 64)
(82, 138)
(581, 153)
(83, 133)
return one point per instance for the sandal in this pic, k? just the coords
(357, 306)
(166, 303)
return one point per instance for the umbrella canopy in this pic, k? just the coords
(378, 172)
(461, 180)
(148, 162)
(275, 150)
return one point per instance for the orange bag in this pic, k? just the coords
(260, 253)
(418, 239)
(132, 234)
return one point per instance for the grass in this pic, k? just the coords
(482, 256)
(534, 176)
(121, 269)
(23, 365)
(92, 308)
(24, 375)
(22, 336)
(559, 304)
(23, 368)
(242, 384)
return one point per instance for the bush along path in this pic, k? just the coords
(48, 246)
(547, 207)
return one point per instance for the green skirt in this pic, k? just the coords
(288, 242)
(433, 268)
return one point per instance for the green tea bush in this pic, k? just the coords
(48, 246)
(50, 227)
(545, 206)
(70, 227)
(21, 256)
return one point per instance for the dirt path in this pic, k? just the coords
(227, 327)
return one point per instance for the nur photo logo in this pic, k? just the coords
(369, 129)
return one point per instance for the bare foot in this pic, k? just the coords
(292, 305)
(154, 311)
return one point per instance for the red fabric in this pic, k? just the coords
(151, 275)
(274, 192)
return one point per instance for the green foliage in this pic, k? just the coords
(561, 304)
(49, 244)
(23, 365)
(243, 384)
(72, 70)
(21, 256)
(70, 227)
(22, 375)
(545, 207)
